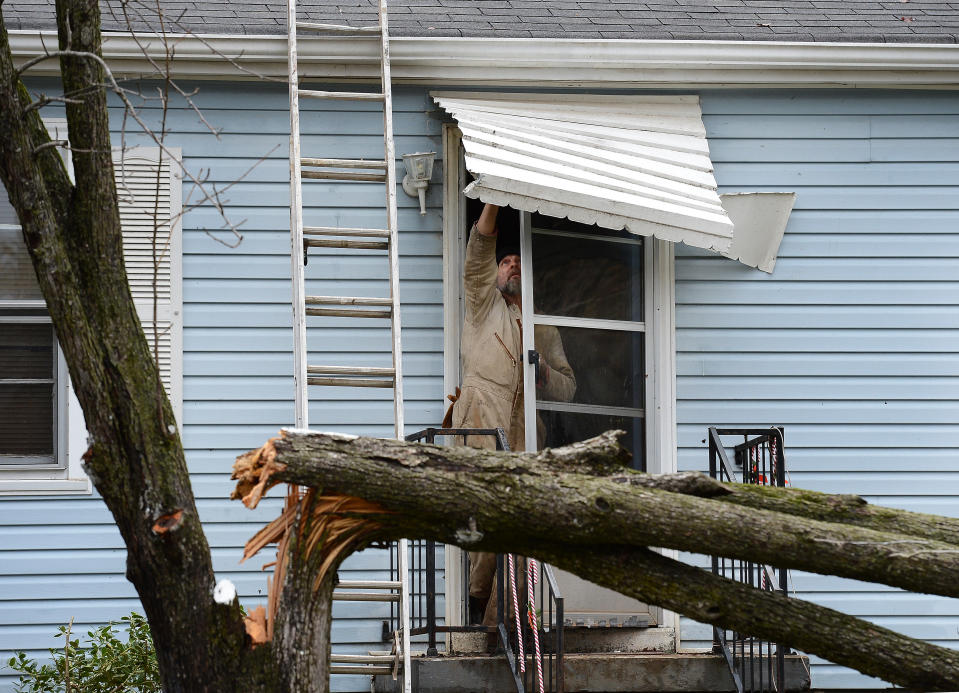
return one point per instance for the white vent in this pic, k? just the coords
(148, 190)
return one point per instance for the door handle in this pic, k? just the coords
(533, 357)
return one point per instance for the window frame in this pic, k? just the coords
(531, 319)
(66, 476)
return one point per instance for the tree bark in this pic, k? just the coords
(301, 635)
(605, 516)
(496, 491)
(135, 458)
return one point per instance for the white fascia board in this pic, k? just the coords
(610, 63)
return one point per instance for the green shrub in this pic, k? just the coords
(105, 664)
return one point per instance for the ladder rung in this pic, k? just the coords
(361, 371)
(364, 597)
(345, 175)
(345, 163)
(334, 231)
(348, 244)
(338, 28)
(361, 670)
(347, 301)
(349, 313)
(349, 382)
(344, 95)
(368, 584)
(361, 659)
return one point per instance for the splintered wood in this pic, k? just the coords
(253, 470)
(327, 528)
(255, 623)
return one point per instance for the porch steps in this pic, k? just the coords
(596, 672)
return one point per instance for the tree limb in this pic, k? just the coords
(838, 637)
(496, 491)
(548, 505)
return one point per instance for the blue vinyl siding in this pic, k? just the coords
(852, 343)
(63, 558)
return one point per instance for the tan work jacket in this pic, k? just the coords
(492, 354)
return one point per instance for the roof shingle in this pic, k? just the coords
(882, 21)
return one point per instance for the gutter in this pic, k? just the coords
(554, 63)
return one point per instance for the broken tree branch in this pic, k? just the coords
(497, 490)
(606, 516)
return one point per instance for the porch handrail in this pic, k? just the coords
(760, 457)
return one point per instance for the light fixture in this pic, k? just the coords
(419, 170)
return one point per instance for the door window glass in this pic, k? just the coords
(587, 293)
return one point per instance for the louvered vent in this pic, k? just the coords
(148, 202)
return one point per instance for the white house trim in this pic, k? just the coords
(454, 222)
(619, 63)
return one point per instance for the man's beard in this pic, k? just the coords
(511, 287)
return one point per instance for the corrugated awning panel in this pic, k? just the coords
(635, 162)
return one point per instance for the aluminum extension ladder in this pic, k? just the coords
(303, 239)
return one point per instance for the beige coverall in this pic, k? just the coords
(492, 388)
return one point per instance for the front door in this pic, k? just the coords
(584, 307)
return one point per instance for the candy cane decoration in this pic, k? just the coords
(531, 608)
(519, 627)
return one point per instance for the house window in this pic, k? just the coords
(31, 389)
(42, 432)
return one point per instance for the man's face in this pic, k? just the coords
(508, 275)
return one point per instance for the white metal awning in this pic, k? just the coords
(635, 162)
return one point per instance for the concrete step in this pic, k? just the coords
(596, 673)
(587, 640)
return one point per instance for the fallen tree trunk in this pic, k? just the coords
(605, 516)
(496, 492)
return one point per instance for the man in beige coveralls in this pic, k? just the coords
(492, 359)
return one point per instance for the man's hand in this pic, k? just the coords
(487, 221)
(543, 373)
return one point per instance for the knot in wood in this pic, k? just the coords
(168, 522)
(469, 535)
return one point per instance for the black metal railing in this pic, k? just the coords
(547, 607)
(758, 458)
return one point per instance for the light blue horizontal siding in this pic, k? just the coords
(238, 388)
(852, 342)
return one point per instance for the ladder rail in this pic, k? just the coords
(391, 225)
(300, 384)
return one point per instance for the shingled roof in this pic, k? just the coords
(873, 21)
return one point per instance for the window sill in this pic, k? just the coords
(45, 487)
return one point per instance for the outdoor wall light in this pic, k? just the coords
(419, 170)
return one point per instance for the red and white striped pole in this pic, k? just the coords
(531, 578)
(519, 628)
